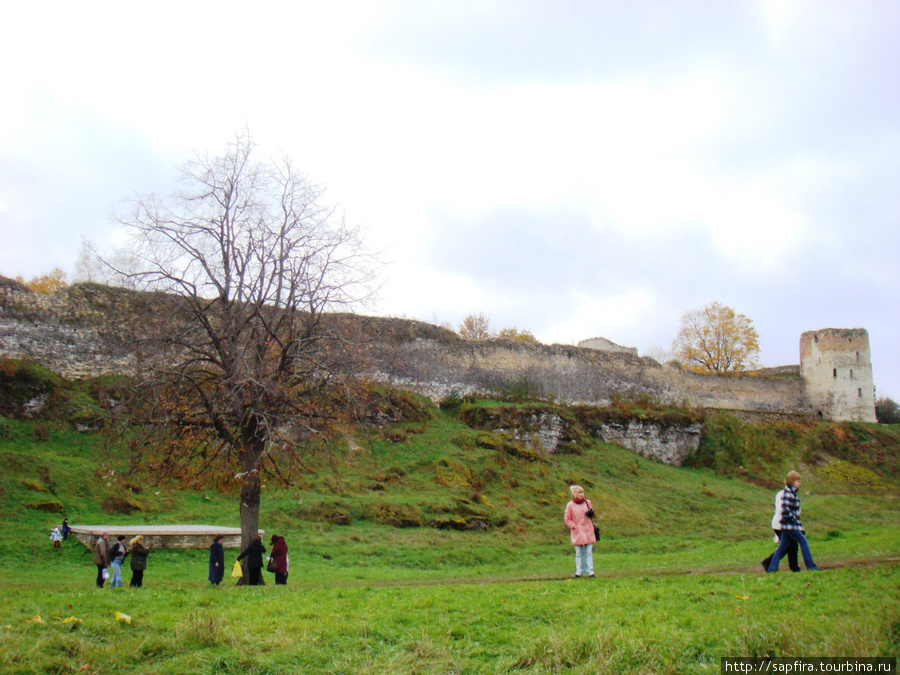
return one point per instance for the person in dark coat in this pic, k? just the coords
(216, 560)
(101, 557)
(254, 554)
(138, 561)
(279, 553)
(65, 529)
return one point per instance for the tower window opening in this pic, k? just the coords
(851, 373)
(835, 372)
(859, 392)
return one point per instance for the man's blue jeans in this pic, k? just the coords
(786, 537)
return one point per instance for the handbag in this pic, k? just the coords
(237, 571)
(590, 514)
(272, 566)
(105, 573)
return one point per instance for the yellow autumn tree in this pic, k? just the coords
(47, 283)
(475, 327)
(516, 335)
(716, 339)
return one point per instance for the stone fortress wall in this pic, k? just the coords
(87, 330)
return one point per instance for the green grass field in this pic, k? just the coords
(679, 583)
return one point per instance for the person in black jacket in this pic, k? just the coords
(139, 554)
(216, 560)
(254, 554)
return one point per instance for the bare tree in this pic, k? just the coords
(112, 269)
(255, 258)
(658, 354)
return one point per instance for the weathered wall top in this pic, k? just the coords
(85, 330)
(605, 345)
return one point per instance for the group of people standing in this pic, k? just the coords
(111, 557)
(786, 524)
(255, 554)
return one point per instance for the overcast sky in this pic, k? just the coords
(576, 169)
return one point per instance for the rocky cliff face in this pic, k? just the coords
(549, 430)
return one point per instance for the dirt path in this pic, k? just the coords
(476, 581)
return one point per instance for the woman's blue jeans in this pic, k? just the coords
(584, 560)
(786, 537)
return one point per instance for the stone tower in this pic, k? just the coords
(836, 366)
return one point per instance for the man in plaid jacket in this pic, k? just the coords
(791, 527)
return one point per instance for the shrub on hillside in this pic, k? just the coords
(887, 411)
(870, 446)
(48, 505)
(41, 432)
(732, 447)
(397, 515)
(327, 512)
(35, 486)
(508, 445)
(88, 419)
(120, 505)
(27, 389)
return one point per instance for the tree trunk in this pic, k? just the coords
(250, 500)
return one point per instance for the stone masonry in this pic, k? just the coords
(88, 330)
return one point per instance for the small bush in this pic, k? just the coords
(451, 523)
(120, 505)
(328, 512)
(396, 515)
(395, 435)
(451, 403)
(49, 505)
(88, 419)
(41, 432)
(505, 444)
(6, 432)
(392, 475)
(35, 486)
(453, 473)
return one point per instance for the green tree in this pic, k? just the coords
(716, 339)
(887, 411)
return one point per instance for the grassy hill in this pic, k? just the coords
(417, 549)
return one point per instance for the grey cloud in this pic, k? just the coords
(484, 43)
(68, 187)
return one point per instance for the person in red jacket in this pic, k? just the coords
(279, 553)
(578, 519)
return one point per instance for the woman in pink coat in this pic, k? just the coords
(578, 520)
